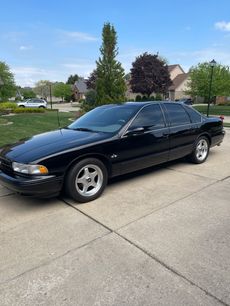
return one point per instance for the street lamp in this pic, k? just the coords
(212, 65)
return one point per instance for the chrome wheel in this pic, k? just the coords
(202, 149)
(89, 180)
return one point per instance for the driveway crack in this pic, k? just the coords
(171, 269)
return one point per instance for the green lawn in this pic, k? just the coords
(214, 109)
(26, 125)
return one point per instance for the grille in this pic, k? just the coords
(6, 166)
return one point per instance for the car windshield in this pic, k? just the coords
(105, 119)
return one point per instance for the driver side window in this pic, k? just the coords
(150, 118)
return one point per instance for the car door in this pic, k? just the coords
(145, 143)
(181, 132)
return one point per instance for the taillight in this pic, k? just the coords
(222, 117)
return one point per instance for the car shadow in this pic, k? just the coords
(146, 171)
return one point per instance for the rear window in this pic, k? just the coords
(177, 114)
(194, 115)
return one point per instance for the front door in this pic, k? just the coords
(146, 147)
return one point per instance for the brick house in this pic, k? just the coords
(79, 89)
(180, 82)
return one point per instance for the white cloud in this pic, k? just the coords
(223, 26)
(78, 36)
(188, 59)
(28, 76)
(82, 68)
(25, 48)
(14, 36)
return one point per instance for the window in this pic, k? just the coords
(108, 119)
(194, 115)
(177, 114)
(150, 118)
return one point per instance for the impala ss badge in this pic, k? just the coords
(113, 156)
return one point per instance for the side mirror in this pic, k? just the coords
(134, 132)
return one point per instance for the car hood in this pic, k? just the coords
(42, 145)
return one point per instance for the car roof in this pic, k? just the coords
(137, 103)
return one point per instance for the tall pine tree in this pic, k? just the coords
(110, 81)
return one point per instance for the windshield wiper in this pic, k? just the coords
(84, 129)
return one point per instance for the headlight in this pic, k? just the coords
(29, 169)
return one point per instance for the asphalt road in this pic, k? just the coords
(159, 237)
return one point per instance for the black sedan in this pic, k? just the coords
(108, 141)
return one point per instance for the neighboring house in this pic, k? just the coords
(176, 90)
(180, 82)
(222, 100)
(80, 89)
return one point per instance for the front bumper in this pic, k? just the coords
(40, 186)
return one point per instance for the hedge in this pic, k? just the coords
(21, 110)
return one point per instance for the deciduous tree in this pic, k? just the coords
(91, 81)
(149, 74)
(199, 79)
(7, 84)
(43, 88)
(62, 90)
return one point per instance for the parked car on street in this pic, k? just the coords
(35, 102)
(108, 141)
(187, 101)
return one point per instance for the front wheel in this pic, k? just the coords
(86, 180)
(201, 150)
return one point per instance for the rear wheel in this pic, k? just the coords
(201, 150)
(86, 180)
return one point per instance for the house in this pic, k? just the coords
(176, 90)
(79, 89)
(179, 82)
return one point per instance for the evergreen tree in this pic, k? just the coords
(72, 79)
(110, 82)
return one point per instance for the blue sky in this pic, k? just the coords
(53, 39)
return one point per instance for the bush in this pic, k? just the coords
(158, 97)
(7, 107)
(21, 110)
(89, 102)
(224, 104)
(138, 98)
(152, 98)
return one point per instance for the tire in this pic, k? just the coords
(22, 106)
(41, 107)
(86, 180)
(201, 150)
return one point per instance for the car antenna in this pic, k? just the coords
(58, 119)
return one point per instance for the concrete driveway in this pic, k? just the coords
(159, 237)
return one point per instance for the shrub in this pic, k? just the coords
(158, 97)
(7, 107)
(21, 110)
(152, 98)
(138, 98)
(145, 98)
